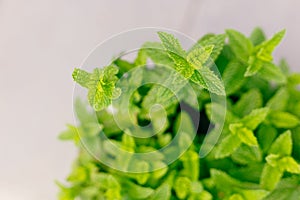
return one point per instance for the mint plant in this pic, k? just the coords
(256, 156)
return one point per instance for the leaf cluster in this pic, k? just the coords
(256, 157)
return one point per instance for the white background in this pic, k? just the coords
(41, 41)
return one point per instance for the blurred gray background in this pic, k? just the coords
(41, 41)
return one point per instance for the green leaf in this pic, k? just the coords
(262, 58)
(265, 50)
(226, 183)
(159, 120)
(90, 192)
(184, 123)
(112, 182)
(255, 118)
(138, 192)
(101, 85)
(128, 142)
(256, 194)
(112, 194)
(284, 140)
(78, 175)
(69, 134)
(286, 163)
(247, 154)
(220, 113)
(223, 180)
(266, 136)
(177, 54)
(204, 195)
(198, 79)
(143, 166)
(156, 52)
(182, 187)
(191, 164)
(196, 187)
(171, 44)
(240, 44)
(289, 164)
(282, 119)
(233, 77)
(199, 56)
(217, 41)
(254, 66)
(271, 72)
(163, 192)
(249, 101)
(227, 146)
(165, 96)
(257, 36)
(141, 59)
(164, 139)
(205, 78)
(273, 160)
(270, 177)
(66, 193)
(162, 169)
(284, 67)
(205, 38)
(296, 142)
(81, 77)
(236, 197)
(279, 100)
(286, 189)
(184, 141)
(209, 80)
(294, 79)
(245, 135)
(182, 66)
(249, 173)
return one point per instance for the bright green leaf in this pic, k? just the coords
(228, 146)
(255, 118)
(81, 77)
(182, 187)
(249, 101)
(287, 189)
(240, 44)
(254, 66)
(101, 85)
(271, 72)
(266, 49)
(289, 164)
(282, 119)
(212, 82)
(245, 135)
(270, 177)
(279, 100)
(215, 40)
(233, 77)
(199, 56)
(236, 197)
(284, 140)
(266, 136)
(257, 36)
(138, 192)
(247, 154)
(163, 192)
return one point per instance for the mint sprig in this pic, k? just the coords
(100, 85)
(256, 156)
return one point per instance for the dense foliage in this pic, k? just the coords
(256, 156)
